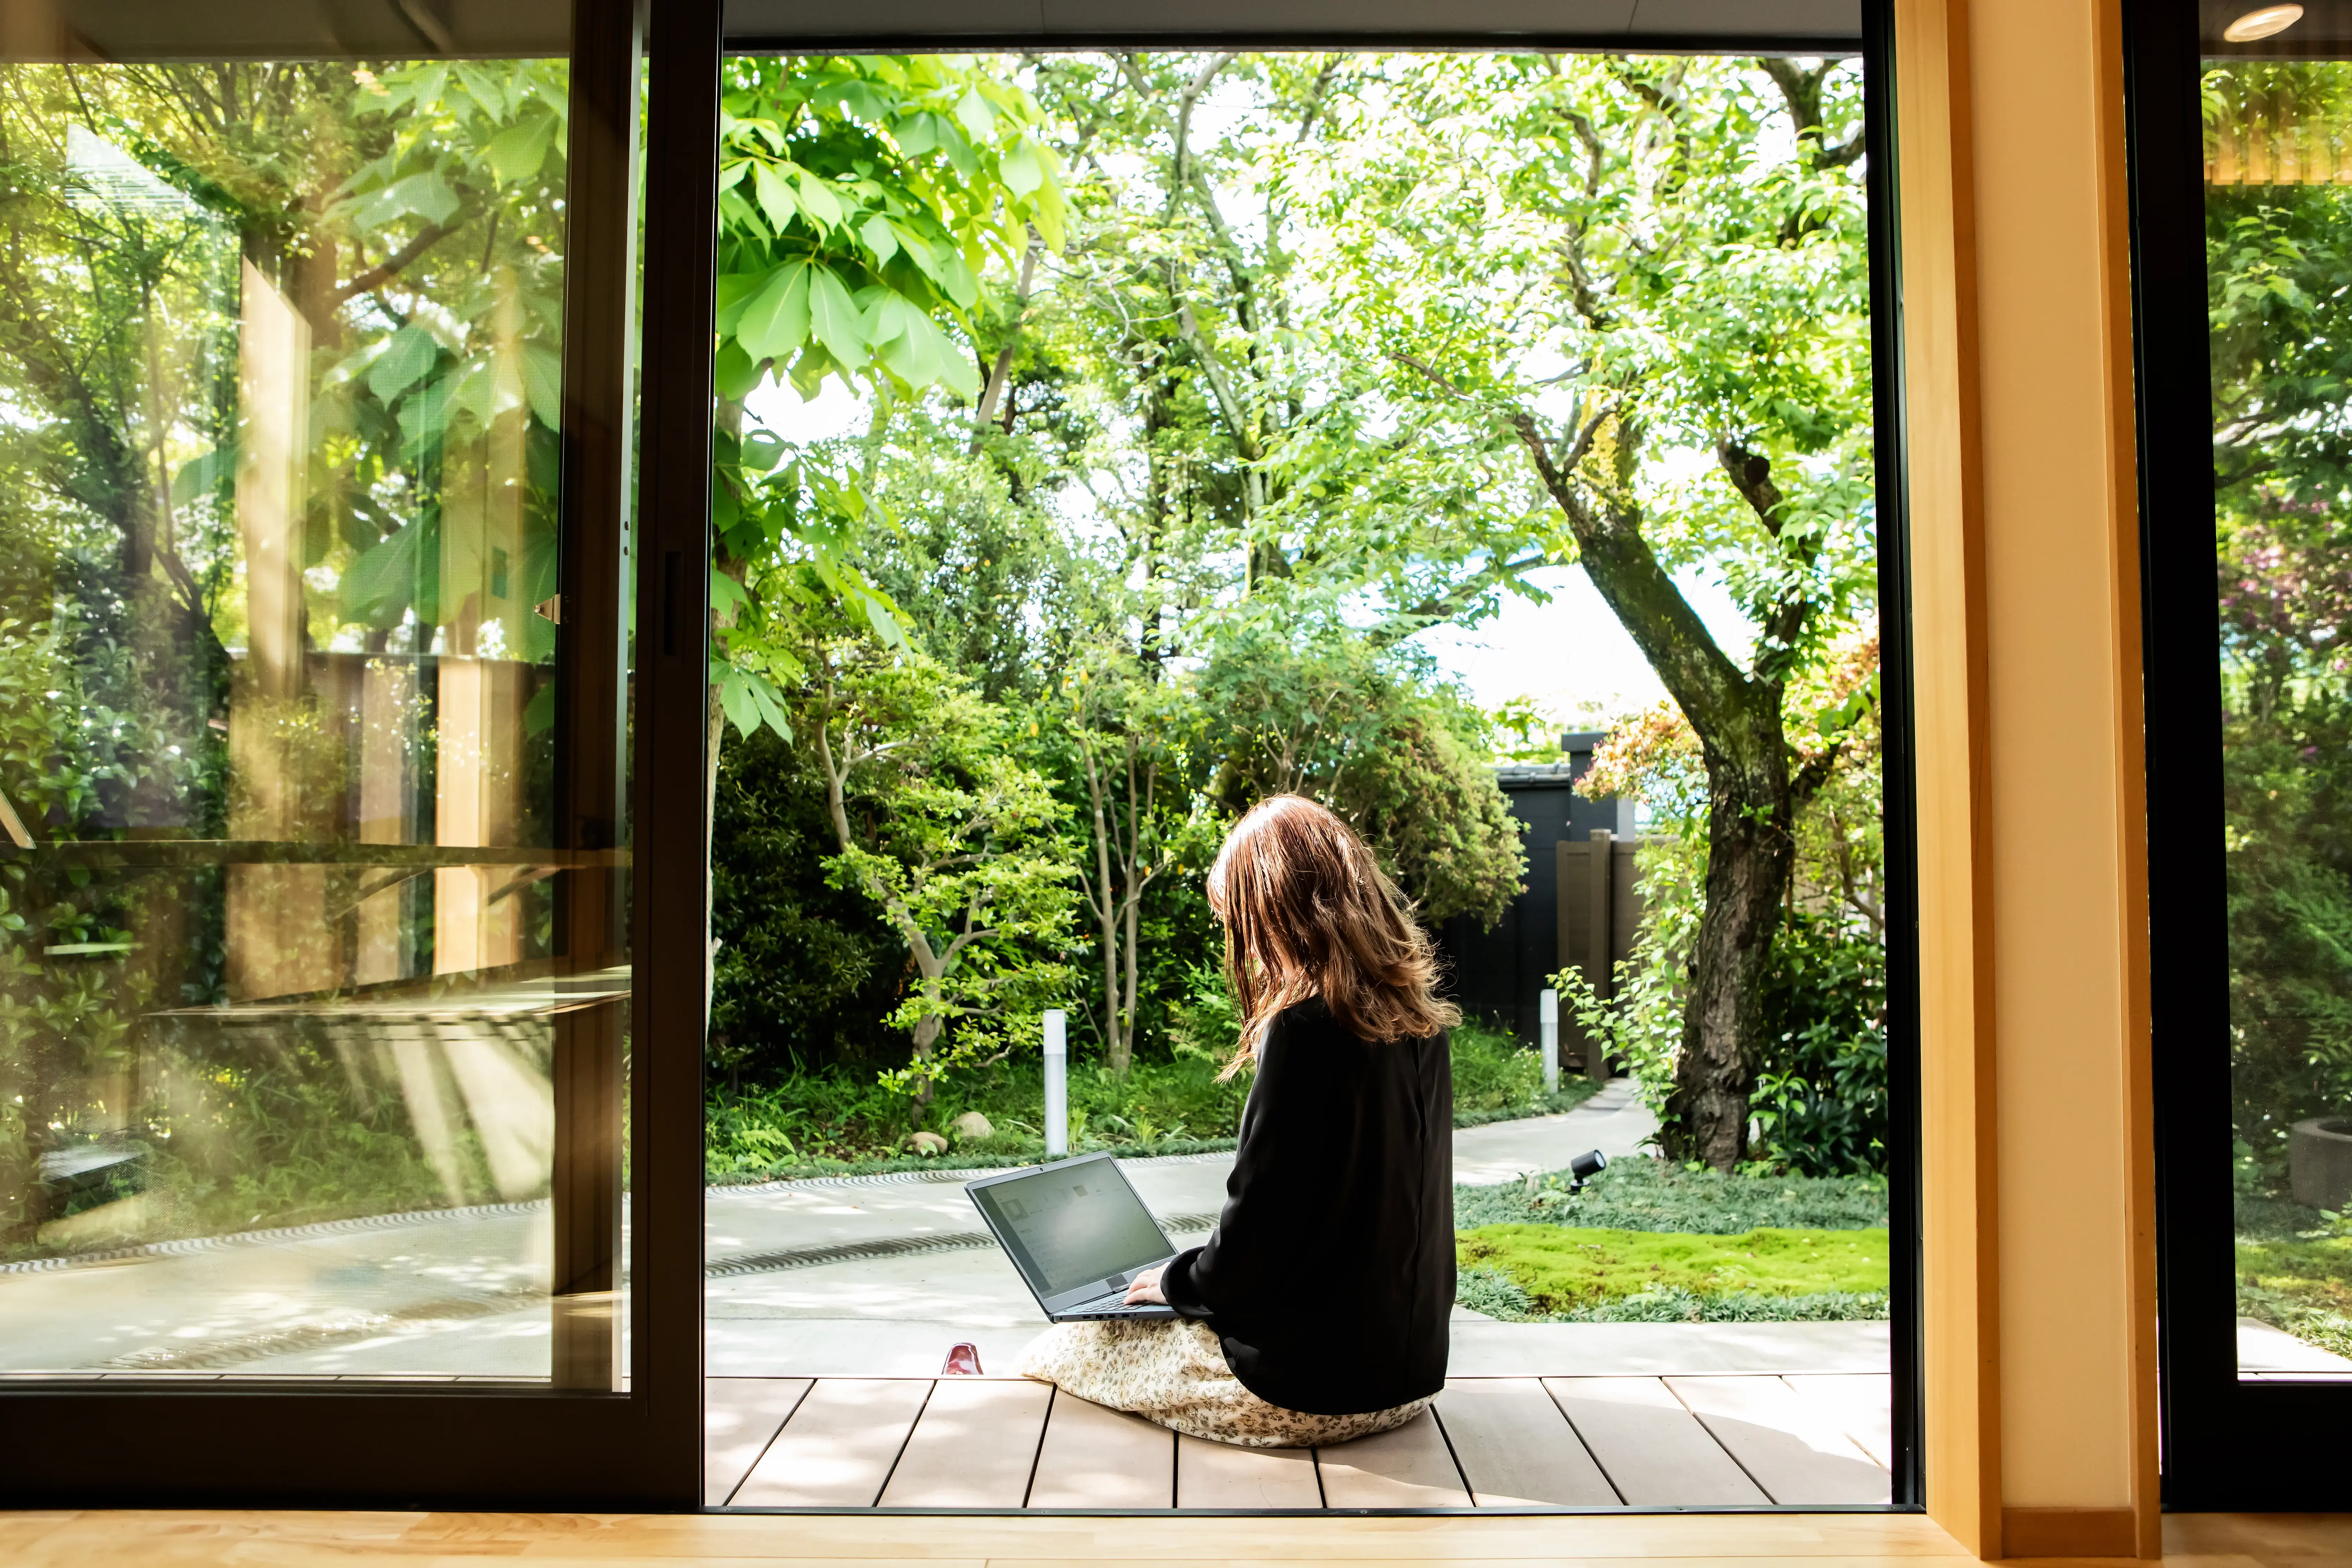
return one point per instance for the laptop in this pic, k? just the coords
(1078, 1233)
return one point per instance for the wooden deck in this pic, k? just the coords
(1490, 1442)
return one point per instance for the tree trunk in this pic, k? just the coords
(1750, 856)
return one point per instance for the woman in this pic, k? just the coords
(1318, 1309)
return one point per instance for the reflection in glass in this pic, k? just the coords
(284, 987)
(2279, 258)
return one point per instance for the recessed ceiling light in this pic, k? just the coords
(2265, 23)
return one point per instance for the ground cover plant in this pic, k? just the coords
(2294, 1264)
(838, 1120)
(1565, 1267)
(1741, 1248)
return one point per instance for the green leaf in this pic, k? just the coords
(974, 114)
(404, 361)
(205, 475)
(735, 699)
(517, 152)
(426, 196)
(776, 322)
(917, 134)
(775, 197)
(925, 257)
(771, 711)
(735, 372)
(817, 198)
(835, 321)
(543, 384)
(875, 232)
(727, 595)
(1021, 170)
(736, 290)
(760, 452)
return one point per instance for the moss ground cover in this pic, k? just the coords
(1562, 1267)
(2301, 1286)
(1648, 1241)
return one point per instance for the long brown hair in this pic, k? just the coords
(1307, 912)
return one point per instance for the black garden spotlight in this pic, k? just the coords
(1584, 1167)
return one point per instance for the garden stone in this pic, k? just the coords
(2319, 1161)
(972, 1124)
(927, 1143)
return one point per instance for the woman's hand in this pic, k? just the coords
(1144, 1288)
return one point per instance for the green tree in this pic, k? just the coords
(1605, 272)
(952, 839)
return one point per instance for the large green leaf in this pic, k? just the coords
(517, 152)
(404, 361)
(776, 322)
(775, 197)
(817, 198)
(426, 196)
(1021, 169)
(543, 384)
(833, 318)
(736, 373)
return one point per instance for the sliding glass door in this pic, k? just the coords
(2244, 154)
(315, 847)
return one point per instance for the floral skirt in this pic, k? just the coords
(1173, 1372)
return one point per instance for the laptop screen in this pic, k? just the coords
(1066, 1226)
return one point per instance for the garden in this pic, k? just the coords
(1104, 441)
(1036, 567)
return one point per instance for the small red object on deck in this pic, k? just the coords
(964, 1361)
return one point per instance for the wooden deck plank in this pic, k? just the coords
(1797, 1453)
(1219, 1475)
(1513, 1445)
(1408, 1468)
(1861, 1403)
(974, 1446)
(1096, 1458)
(740, 1416)
(1654, 1451)
(839, 1446)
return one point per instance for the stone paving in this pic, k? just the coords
(843, 1276)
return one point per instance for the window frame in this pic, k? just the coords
(2206, 1406)
(359, 1445)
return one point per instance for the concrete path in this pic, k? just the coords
(456, 1294)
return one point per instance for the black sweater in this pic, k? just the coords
(1329, 1277)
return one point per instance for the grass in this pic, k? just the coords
(839, 1122)
(2294, 1267)
(1562, 1267)
(2301, 1286)
(1651, 1242)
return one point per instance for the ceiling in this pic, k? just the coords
(311, 29)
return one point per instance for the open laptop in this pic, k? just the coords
(1078, 1233)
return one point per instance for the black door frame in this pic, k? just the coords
(2207, 1410)
(1875, 50)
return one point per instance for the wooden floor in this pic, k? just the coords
(1499, 1442)
(184, 1539)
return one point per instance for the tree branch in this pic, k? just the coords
(392, 266)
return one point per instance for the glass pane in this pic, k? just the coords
(299, 1016)
(2279, 256)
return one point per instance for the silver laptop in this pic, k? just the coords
(1078, 1233)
